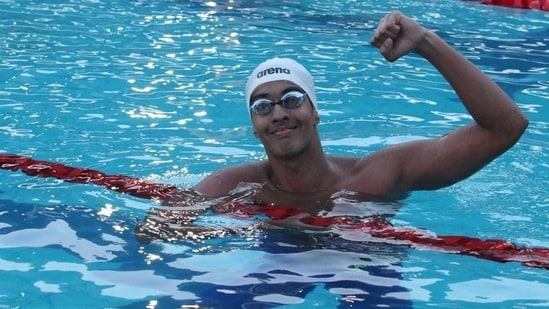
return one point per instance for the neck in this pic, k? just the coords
(302, 174)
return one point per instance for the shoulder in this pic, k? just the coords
(222, 181)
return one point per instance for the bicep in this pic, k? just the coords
(441, 162)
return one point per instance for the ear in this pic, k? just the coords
(316, 117)
(253, 126)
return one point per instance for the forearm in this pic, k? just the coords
(491, 108)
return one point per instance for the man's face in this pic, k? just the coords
(284, 132)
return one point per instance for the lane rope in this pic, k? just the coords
(119, 183)
(491, 249)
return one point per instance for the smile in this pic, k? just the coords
(283, 131)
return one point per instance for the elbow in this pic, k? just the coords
(525, 123)
(506, 131)
(520, 125)
(514, 129)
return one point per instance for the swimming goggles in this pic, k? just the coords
(290, 100)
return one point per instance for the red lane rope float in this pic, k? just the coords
(522, 4)
(119, 183)
(491, 249)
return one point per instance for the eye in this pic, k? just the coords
(261, 106)
(293, 99)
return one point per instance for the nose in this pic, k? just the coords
(279, 113)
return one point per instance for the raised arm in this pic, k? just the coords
(498, 122)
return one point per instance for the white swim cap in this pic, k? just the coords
(281, 69)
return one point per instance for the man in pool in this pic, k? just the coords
(283, 107)
(297, 174)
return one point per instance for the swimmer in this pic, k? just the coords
(282, 103)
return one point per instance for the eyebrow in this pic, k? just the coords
(282, 93)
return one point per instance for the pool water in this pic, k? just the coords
(155, 89)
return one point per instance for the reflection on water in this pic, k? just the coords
(191, 216)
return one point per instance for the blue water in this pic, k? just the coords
(154, 89)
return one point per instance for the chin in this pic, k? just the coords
(287, 152)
